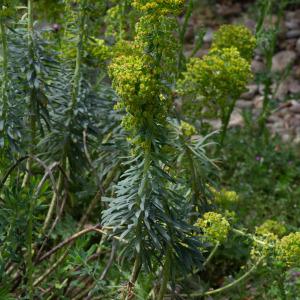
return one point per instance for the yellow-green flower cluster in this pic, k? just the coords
(99, 50)
(140, 70)
(237, 36)
(271, 227)
(220, 75)
(224, 197)
(288, 250)
(214, 226)
(114, 22)
(135, 81)
(264, 245)
(160, 7)
(187, 129)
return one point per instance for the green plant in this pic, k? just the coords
(218, 79)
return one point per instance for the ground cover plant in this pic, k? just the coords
(113, 184)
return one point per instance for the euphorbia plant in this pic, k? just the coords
(218, 79)
(146, 210)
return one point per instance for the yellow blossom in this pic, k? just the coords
(214, 226)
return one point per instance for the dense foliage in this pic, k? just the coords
(111, 186)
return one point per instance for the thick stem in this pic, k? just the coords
(141, 191)
(134, 276)
(166, 275)
(29, 263)
(53, 202)
(226, 114)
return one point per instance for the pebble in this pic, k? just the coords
(292, 24)
(258, 101)
(294, 86)
(282, 59)
(236, 119)
(298, 46)
(257, 66)
(295, 108)
(291, 34)
(208, 37)
(243, 104)
(252, 90)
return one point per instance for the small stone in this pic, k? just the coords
(295, 108)
(273, 119)
(294, 33)
(294, 122)
(208, 37)
(298, 45)
(286, 137)
(257, 66)
(294, 86)
(215, 124)
(243, 104)
(296, 139)
(258, 101)
(282, 59)
(292, 24)
(236, 119)
(252, 90)
(282, 90)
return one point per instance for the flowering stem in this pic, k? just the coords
(226, 114)
(232, 284)
(211, 255)
(239, 232)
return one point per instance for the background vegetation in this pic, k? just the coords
(123, 171)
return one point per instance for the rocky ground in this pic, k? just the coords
(285, 99)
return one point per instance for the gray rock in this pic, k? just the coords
(295, 108)
(258, 101)
(292, 24)
(257, 66)
(282, 59)
(298, 45)
(294, 33)
(282, 90)
(236, 119)
(208, 35)
(243, 104)
(294, 86)
(252, 90)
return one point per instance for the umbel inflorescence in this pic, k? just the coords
(143, 70)
(217, 80)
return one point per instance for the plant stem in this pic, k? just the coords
(5, 77)
(32, 95)
(234, 283)
(228, 286)
(77, 72)
(211, 255)
(141, 191)
(226, 114)
(134, 276)
(239, 232)
(29, 251)
(166, 275)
